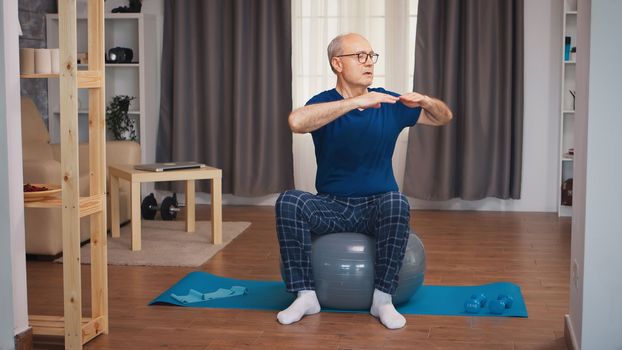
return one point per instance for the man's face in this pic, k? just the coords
(353, 71)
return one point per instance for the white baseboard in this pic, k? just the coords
(569, 334)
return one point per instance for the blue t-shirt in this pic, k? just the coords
(354, 151)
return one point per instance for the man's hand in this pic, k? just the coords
(435, 112)
(373, 100)
(414, 99)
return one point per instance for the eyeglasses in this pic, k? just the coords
(362, 56)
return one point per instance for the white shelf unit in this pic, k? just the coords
(136, 31)
(567, 110)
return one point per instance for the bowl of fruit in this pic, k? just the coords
(37, 192)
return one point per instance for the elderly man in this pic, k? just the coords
(354, 129)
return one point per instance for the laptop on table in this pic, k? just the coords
(169, 166)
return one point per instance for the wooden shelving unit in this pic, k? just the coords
(76, 329)
(85, 78)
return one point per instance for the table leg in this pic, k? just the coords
(135, 215)
(217, 210)
(190, 206)
(114, 206)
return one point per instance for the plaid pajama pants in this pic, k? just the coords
(384, 216)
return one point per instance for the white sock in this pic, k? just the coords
(382, 308)
(305, 304)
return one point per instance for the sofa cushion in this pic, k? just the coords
(35, 138)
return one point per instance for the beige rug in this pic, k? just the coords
(166, 243)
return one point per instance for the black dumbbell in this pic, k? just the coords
(149, 207)
(168, 209)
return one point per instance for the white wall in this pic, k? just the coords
(595, 305)
(577, 250)
(6, 272)
(13, 296)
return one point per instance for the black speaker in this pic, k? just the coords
(120, 55)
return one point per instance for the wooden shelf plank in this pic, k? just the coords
(92, 329)
(89, 79)
(86, 111)
(107, 16)
(88, 205)
(55, 325)
(92, 204)
(38, 76)
(123, 65)
(123, 15)
(51, 202)
(82, 66)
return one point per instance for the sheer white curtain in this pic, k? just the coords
(388, 25)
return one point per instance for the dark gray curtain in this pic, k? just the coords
(469, 53)
(227, 92)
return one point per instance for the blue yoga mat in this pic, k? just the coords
(271, 295)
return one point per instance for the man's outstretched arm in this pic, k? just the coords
(435, 112)
(312, 117)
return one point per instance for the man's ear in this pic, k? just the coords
(337, 64)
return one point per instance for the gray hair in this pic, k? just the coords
(334, 49)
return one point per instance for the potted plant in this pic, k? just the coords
(118, 120)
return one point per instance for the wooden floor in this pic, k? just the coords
(463, 248)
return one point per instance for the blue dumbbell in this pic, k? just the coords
(481, 299)
(476, 302)
(498, 306)
(509, 301)
(471, 306)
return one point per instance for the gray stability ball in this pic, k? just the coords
(343, 269)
